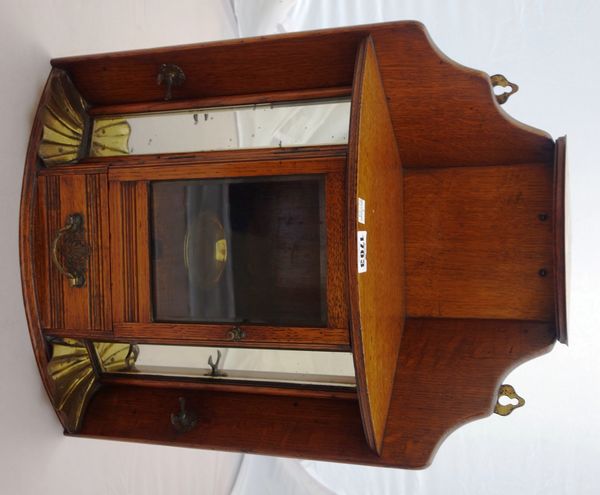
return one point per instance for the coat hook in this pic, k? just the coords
(214, 367)
(185, 419)
(172, 75)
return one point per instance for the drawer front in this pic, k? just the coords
(72, 267)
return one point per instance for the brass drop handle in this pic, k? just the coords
(70, 251)
(184, 420)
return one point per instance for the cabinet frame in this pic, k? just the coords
(130, 255)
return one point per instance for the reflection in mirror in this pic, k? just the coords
(259, 365)
(307, 123)
(244, 250)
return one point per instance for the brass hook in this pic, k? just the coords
(500, 80)
(172, 75)
(506, 409)
(184, 420)
(214, 367)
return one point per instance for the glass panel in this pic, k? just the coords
(300, 367)
(321, 122)
(247, 250)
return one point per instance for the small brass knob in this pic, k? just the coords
(236, 334)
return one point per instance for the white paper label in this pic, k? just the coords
(361, 210)
(361, 239)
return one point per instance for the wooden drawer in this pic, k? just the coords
(72, 270)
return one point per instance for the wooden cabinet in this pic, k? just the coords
(337, 256)
(200, 249)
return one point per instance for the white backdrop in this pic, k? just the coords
(550, 446)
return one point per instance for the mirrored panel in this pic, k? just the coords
(307, 123)
(257, 365)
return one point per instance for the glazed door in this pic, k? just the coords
(241, 253)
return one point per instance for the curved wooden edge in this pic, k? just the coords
(446, 114)
(560, 241)
(27, 219)
(362, 29)
(26, 223)
(485, 81)
(354, 310)
(376, 291)
(449, 372)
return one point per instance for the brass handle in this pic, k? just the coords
(184, 420)
(70, 251)
(236, 334)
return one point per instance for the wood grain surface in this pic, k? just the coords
(448, 374)
(63, 306)
(130, 254)
(475, 243)
(442, 113)
(472, 190)
(377, 296)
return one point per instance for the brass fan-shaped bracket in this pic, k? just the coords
(72, 373)
(67, 134)
(65, 122)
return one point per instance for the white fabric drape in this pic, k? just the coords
(552, 445)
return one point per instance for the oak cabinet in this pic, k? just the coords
(338, 256)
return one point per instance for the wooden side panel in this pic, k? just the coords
(477, 240)
(445, 114)
(99, 285)
(337, 294)
(235, 67)
(442, 113)
(62, 306)
(448, 374)
(377, 294)
(449, 371)
(129, 225)
(47, 220)
(560, 240)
